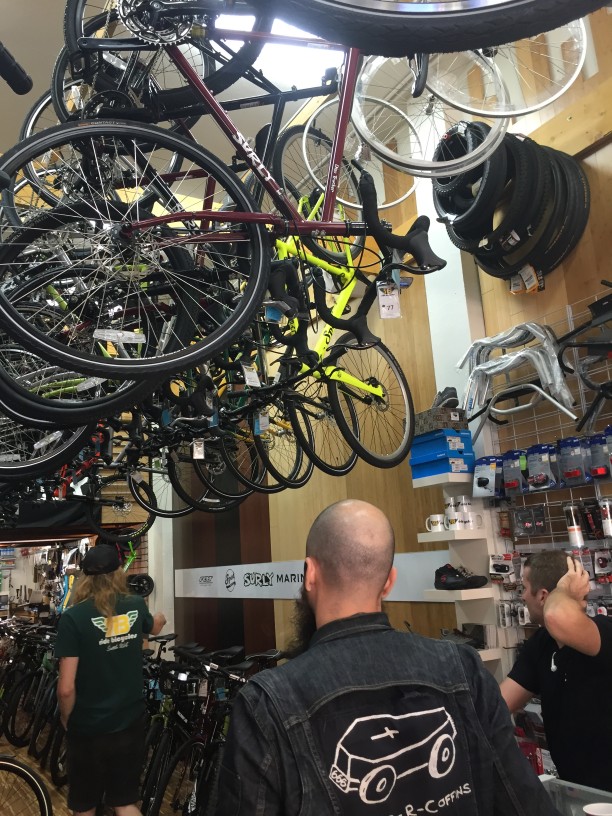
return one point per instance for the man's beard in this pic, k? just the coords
(304, 626)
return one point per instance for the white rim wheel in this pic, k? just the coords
(391, 190)
(391, 80)
(534, 71)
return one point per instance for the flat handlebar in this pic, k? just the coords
(13, 74)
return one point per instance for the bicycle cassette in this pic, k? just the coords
(154, 22)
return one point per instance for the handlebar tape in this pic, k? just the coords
(415, 241)
(13, 74)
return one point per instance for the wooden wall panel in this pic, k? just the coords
(292, 512)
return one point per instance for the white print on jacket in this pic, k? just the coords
(117, 625)
(398, 746)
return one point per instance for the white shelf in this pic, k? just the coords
(442, 479)
(453, 595)
(487, 655)
(451, 535)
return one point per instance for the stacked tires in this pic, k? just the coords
(522, 211)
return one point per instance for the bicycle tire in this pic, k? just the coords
(324, 444)
(380, 446)
(238, 449)
(214, 472)
(57, 758)
(20, 711)
(290, 170)
(28, 796)
(163, 498)
(179, 785)
(48, 449)
(279, 448)
(186, 480)
(396, 29)
(43, 727)
(141, 584)
(77, 19)
(122, 510)
(220, 322)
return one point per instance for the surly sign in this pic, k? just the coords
(402, 766)
(266, 579)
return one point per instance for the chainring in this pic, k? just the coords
(143, 19)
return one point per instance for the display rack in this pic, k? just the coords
(470, 548)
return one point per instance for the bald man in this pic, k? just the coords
(365, 719)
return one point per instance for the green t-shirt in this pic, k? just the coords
(109, 680)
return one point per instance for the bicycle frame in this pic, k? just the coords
(290, 219)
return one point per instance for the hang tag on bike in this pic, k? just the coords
(273, 315)
(47, 440)
(251, 377)
(90, 382)
(261, 423)
(203, 688)
(388, 300)
(197, 449)
(112, 336)
(137, 477)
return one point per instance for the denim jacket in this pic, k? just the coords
(373, 721)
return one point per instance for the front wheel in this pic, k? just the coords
(371, 381)
(394, 28)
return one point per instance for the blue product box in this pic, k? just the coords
(421, 467)
(438, 444)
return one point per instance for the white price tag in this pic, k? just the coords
(388, 300)
(47, 440)
(203, 688)
(516, 285)
(251, 377)
(90, 382)
(197, 449)
(262, 423)
(137, 477)
(530, 279)
(119, 336)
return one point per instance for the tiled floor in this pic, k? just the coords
(58, 797)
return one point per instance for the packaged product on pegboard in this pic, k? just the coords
(602, 561)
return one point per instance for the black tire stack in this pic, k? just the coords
(525, 208)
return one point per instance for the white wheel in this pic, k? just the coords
(391, 190)
(421, 148)
(534, 73)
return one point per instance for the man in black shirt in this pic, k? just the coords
(568, 664)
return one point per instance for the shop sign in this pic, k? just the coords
(283, 579)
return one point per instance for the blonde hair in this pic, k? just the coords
(102, 590)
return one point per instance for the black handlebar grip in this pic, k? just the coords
(13, 74)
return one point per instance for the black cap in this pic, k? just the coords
(100, 560)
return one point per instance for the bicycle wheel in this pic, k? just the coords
(386, 419)
(41, 116)
(290, 170)
(186, 480)
(417, 141)
(43, 728)
(27, 452)
(113, 495)
(534, 71)
(201, 307)
(399, 27)
(241, 456)
(323, 120)
(279, 448)
(200, 43)
(215, 474)
(310, 408)
(22, 791)
(21, 709)
(57, 758)
(166, 504)
(180, 790)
